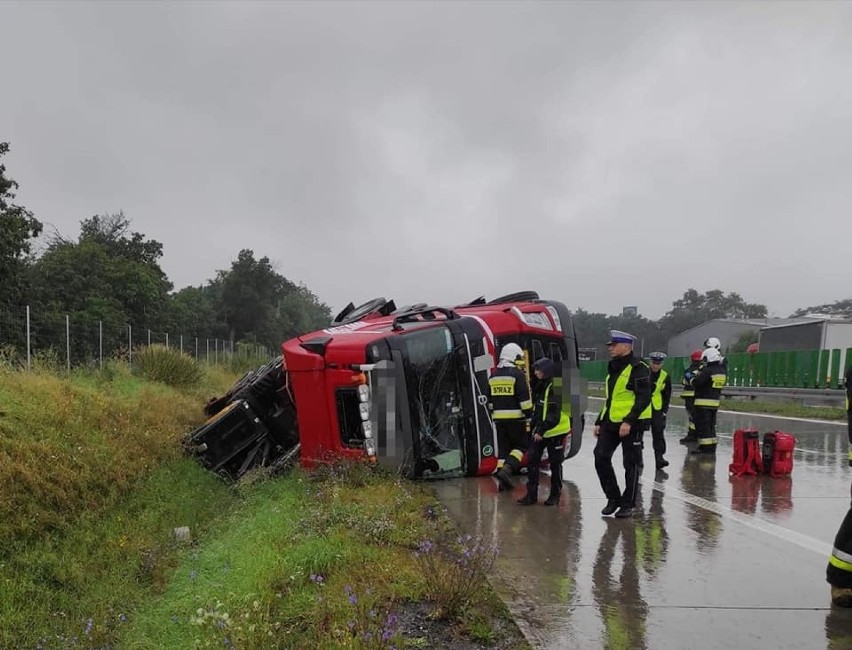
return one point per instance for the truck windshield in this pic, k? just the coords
(434, 400)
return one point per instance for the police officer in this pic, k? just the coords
(708, 384)
(511, 405)
(661, 395)
(688, 395)
(628, 397)
(550, 426)
(839, 571)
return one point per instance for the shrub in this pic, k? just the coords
(167, 365)
(454, 572)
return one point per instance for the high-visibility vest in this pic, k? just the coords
(564, 424)
(622, 399)
(657, 395)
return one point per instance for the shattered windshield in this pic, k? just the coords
(434, 399)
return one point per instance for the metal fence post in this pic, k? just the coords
(216, 351)
(196, 348)
(68, 342)
(29, 352)
(181, 343)
(207, 358)
(101, 343)
(149, 338)
(167, 339)
(129, 346)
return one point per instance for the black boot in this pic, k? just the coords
(709, 450)
(528, 499)
(504, 478)
(552, 500)
(688, 438)
(610, 507)
(661, 462)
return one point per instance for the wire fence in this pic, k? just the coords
(28, 337)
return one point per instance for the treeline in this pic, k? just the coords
(110, 274)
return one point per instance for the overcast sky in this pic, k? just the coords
(601, 154)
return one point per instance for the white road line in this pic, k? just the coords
(834, 423)
(804, 541)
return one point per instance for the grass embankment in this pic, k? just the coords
(784, 409)
(93, 484)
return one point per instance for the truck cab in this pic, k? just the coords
(408, 388)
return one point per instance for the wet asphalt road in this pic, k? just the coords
(712, 561)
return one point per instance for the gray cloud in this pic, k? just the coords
(604, 154)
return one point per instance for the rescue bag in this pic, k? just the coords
(778, 453)
(747, 458)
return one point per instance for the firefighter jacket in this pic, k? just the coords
(661, 393)
(686, 381)
(708, 384)
(549, 419)
(628, 391)
(509, 394)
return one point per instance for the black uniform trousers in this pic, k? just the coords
(705, 424)
(631, 452)
(555, 454)
(511, 436)
(658, 432)
(689, 405)
(841, 576)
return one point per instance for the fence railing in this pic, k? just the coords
(27, 337)
(793, 369)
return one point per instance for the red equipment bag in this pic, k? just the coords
(778, 453)
(747, 459)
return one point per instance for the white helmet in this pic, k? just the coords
(511, 352)
(713, 342)
(711, 354)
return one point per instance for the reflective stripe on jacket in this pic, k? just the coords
(708, 385)
(510, 394)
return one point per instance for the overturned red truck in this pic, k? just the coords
(405, 387)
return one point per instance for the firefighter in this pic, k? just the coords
(713, 342)
(688, 395)
(628, 401)
(708, 383)
(839, 571)
(510, 407)
(550, 427)
(661, 395)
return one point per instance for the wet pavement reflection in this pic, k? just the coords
(711, 561)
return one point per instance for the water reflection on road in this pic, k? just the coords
(712, 561)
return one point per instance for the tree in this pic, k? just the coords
(259, 305)
(840, 308)
(18, 227)
(109, 274)
(695, 308)
(742, 343)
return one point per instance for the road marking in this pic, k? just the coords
(804, 541)
(834, 423)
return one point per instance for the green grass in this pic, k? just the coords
(94, 484)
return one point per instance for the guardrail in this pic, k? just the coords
(832, 396)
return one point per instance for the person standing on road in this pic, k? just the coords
(688, 395)
(550, 427)
(708, 384)
(661, 395)
(628, 401)
(839, 570)
(511, 405)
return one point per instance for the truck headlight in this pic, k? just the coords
(367, 428)
(364, 393)
(370, 447)
(364, 409)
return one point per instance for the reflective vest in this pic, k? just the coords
(657, 395)
(564, 424)
(622, 398)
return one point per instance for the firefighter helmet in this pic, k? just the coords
(511, 352)
(710, 355)
(696, 356)
(713, 342)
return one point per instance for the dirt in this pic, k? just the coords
(421, 631)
